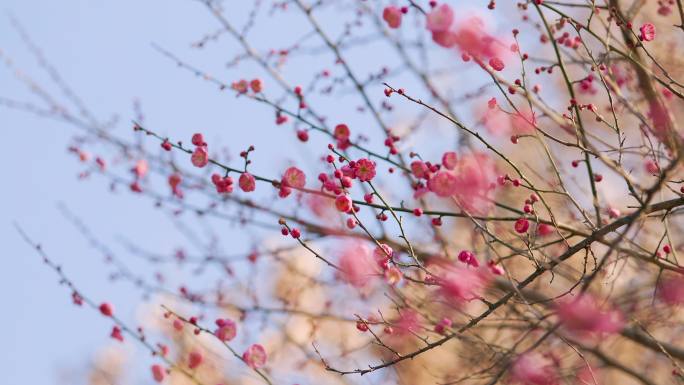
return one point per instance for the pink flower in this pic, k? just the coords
(294, 177)
(200, 157)
(343, 203)
(357, 267)
(106, 309)
(533, 369)
(140, 169)
(521, 225)
(523, 122)
(419, 169)
(198, 140)
(364, 170)
(392, 15)
(393, 276)
(651, 166)
(672, 291)
(116, 334)
(583, 315)
(440, 18)
(247, 182)
(227, 330)
(223, 185)
(544, 229)
(647, 32)
(459, 284)
(341, 132)
(468, 258)
(446, 39)
(158, 373)
(449, 160)
(475, 176)
(255, 356)
(408, 322)
(494, 268)
(496, 63)
(195, 359)
(443, 184)
(472, 38)
(382, 254)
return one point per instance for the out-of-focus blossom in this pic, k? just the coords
(534, 369)
(357, 266)
(584, 315)
(671, 291)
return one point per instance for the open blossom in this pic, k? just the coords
(534, 369)
(382, 254)
(458, 284)
(443, 184)
(364, 169)
(449, 160)
(419, 169)
(357, 266)
(440, 18)
(647, 32)
(408, 322)
(583, 315)
(294, 177)
(392, 16)
(226, 329)
(393, 276)
(255, 356)
(200, 157)
(472, 38)
(475, 176)
(247, 182)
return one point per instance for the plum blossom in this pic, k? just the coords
(247, 182)
(671, 291)
(440, 18)
(294, 178)
(420, 169)
(450, 160)
(443, 184)
(583, 315)
(158, 372)
(195, 359)
(534, 369)
(475, 176)
(255, 356)
(458, 284)
(200, 157)
(392, 16)
(647, 32)
(364, 169)
(356, 265)
(226, 330)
